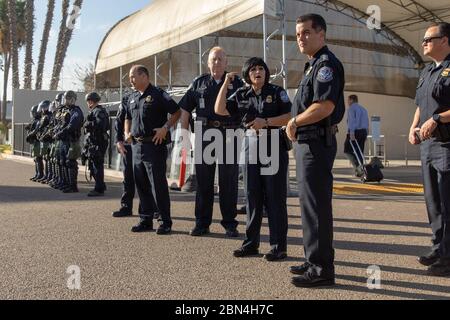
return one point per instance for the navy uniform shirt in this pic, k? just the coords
(202, 95)
(433, 90)
(247, 105)
(149, 111)
(120, 120)
(324, 79)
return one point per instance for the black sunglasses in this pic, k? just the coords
(429, 39)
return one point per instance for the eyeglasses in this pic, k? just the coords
(429, 39)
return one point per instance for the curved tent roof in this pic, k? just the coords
(393, 53)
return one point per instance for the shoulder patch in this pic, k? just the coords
(284, 96)
(325, 74)
(324, 57)
(166, 96)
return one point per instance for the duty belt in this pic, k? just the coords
(218, 124)
(148, 139)
(313, 132)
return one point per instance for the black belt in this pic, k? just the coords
(148, 139)
(312, 133)
(218, 124)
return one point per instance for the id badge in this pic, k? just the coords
(202, 103)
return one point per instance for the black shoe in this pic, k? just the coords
(142, 227)
(311, 280)
(122, 213)
(198, 232)
(95, 193)
(300, 270)
(232, 233)
(429, 259)
(156, 215)
(275, 255)
(162, 230)
(242, 210)
(242, 252)
(440, 268)
(70, 190)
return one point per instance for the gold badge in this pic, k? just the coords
(269, 99)
(446, 72)
(149, 99)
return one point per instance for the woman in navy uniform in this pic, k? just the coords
(261, 106)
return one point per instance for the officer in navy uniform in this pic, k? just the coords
(261, 106)
(96, 126)
(129, 189)
(147, 112)
(70, 134)
(431, 129)
(319, 106)
(201, 97)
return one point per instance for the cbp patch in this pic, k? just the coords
(325, 74)
(167, 96)
(284, 96)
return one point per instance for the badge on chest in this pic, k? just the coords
(446, 72)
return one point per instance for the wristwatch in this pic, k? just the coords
(437, 118)
(294, 122)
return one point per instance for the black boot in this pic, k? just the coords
(40, 166)
(35, 171)
(45, 176)
(73, 180)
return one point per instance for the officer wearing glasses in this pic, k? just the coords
(431, 129)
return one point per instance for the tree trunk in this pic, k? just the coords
(62, 31)
(29, 22)
(44, 43)
(7, 65)
(14, 44)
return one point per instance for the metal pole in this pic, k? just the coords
(265, 37)
(200, 62)
(170, 70)
(120, 83)
(156, 71)
(283, 44)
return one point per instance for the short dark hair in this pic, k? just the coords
(254, 62)
(444, 29)
(353, 98)
(318, 22)
(141, 69)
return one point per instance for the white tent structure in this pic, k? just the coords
(173, 37)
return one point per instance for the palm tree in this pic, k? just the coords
(5, 45)
(29, 20)
(44, 43)
(62, 29)
(11, 7)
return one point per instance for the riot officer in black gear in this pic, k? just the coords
(69, 136)
(45, 115)
(55, 152)
(96, 130)
(33, 129)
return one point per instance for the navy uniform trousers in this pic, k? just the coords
(128, 180)
(149, 163)
(315, 180)
(228, 191)
(436, 175)
(269, 191)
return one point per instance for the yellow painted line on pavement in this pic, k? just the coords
(382, 188)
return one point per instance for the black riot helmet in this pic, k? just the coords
(44, 107)
(53, 107)
(34, 112)
(70, 98)
(58, 100)
(93, 96)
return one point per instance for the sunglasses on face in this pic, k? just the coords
(429, 39)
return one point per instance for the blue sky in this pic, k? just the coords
(97, 17)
